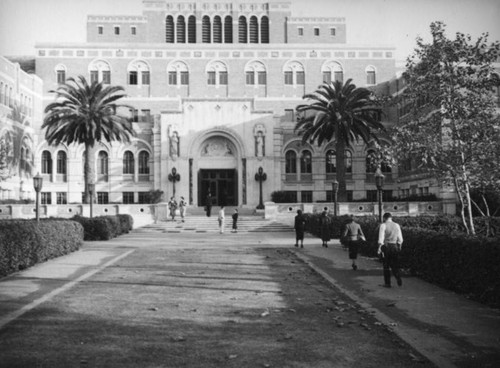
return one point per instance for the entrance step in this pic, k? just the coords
(203, 224)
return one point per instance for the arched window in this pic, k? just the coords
(102, 163)
(181, 29)
(371, 167)
(242, 29)
(332, 72)
(254, 30)
(294, 73)
(46, 162)
(178, 73)
(228, 29)
(305, 162)
(371, 78)
(128, 162)
(100, 71)
(255, 73)
(143, 162)
(264, 29)
(61, 163)
(138, 73)
(169, 29)
(217, 73)
(206, 29)
(192, 29)
(348, 161)
(60, 74)
(291, 162)
(331, 162)
(217, 30)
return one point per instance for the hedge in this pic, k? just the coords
(104, 227)
(24, 243)
(437, 250)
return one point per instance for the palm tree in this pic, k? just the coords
(86, 114)
(339, 112)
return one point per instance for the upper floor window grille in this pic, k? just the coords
(217, 30)
(228, 29)
(254, 30)
(242, 30)
(128, 163)
(61, 74)
(290, 162)
(255, 73)
(332, 69)
(169, 29)
(100, 71)
(305, 162)
(371, 75)
(191, 36)
(206, 29)
(138, 73)
(264, 29)
(331, 162)
(143, 162)
(217, 73)
(46, 162)
(102, 163)
(294, 73)
(61, 163)
(181, 29)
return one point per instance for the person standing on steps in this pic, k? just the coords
(208, 204)
(299, 226)
(353, 236)
(182, 207)
(324, 223)
(235, 221)
(390, 240)
(172, 205)
(221, 219)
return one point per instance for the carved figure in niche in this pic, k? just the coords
(174, 144)
(260, 145)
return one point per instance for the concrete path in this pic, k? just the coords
(448, 329)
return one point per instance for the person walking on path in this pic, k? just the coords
(390, 240)
(235, 221)
(324, 223)
(172, 205)
(353, 236)
(182, 207)
(300, 224)
(221, 219)
(208, 204)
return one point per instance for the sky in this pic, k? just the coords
(394, 23)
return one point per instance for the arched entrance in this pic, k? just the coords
(218, 171)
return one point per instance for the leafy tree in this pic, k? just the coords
(452, 126)
(86, 114)
(343, 113)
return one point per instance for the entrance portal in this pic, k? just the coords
(222, 184)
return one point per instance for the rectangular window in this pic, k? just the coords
(184, 78)
(372, 195)
(102, 197)
(133, 30)
(262, 78)
(289, 78)
(100, 29)
(338, 76)
(132, 78)
(46, 198)
(306, 196)
(172, 78)
(94, 76)
(128, 197)
(134, 115)
(145, 77)
(145, 116)
(223, 78)
(211, 78)
(106, 77)
(327, 77)
(61, 76)
(61, 198)
(117, 30)
(349, 194)
(301, 78)
(143, 197)
(250, 78)
(333, 31)
(289, 115)
(300, 31)
(370, 77)
(316, 31)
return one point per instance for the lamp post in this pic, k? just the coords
(91, 187)
(37, 184)
(379, 182)
(260, 177)
(335, 189)
(174, 177)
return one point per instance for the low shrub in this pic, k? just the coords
(24, 243)
(104, 227)
(126, 223)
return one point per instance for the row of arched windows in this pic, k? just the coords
(6, 96)
(217, 29)
(139, 73)
(102, 163)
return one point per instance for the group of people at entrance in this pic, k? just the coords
(172, 207)
(221, 218)
(390, 240)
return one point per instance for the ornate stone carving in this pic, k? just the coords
(218, 147)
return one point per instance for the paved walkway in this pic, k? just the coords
(448, 329)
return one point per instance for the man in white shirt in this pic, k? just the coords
(222, 219)
(390, 240)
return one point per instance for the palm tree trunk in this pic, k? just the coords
(88, 175)
(340, 164)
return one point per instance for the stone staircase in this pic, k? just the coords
(204, 224)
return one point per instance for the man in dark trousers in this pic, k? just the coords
(390, 240)
(353, 235)
(208, 204)
(300, 223)
(235, 221)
